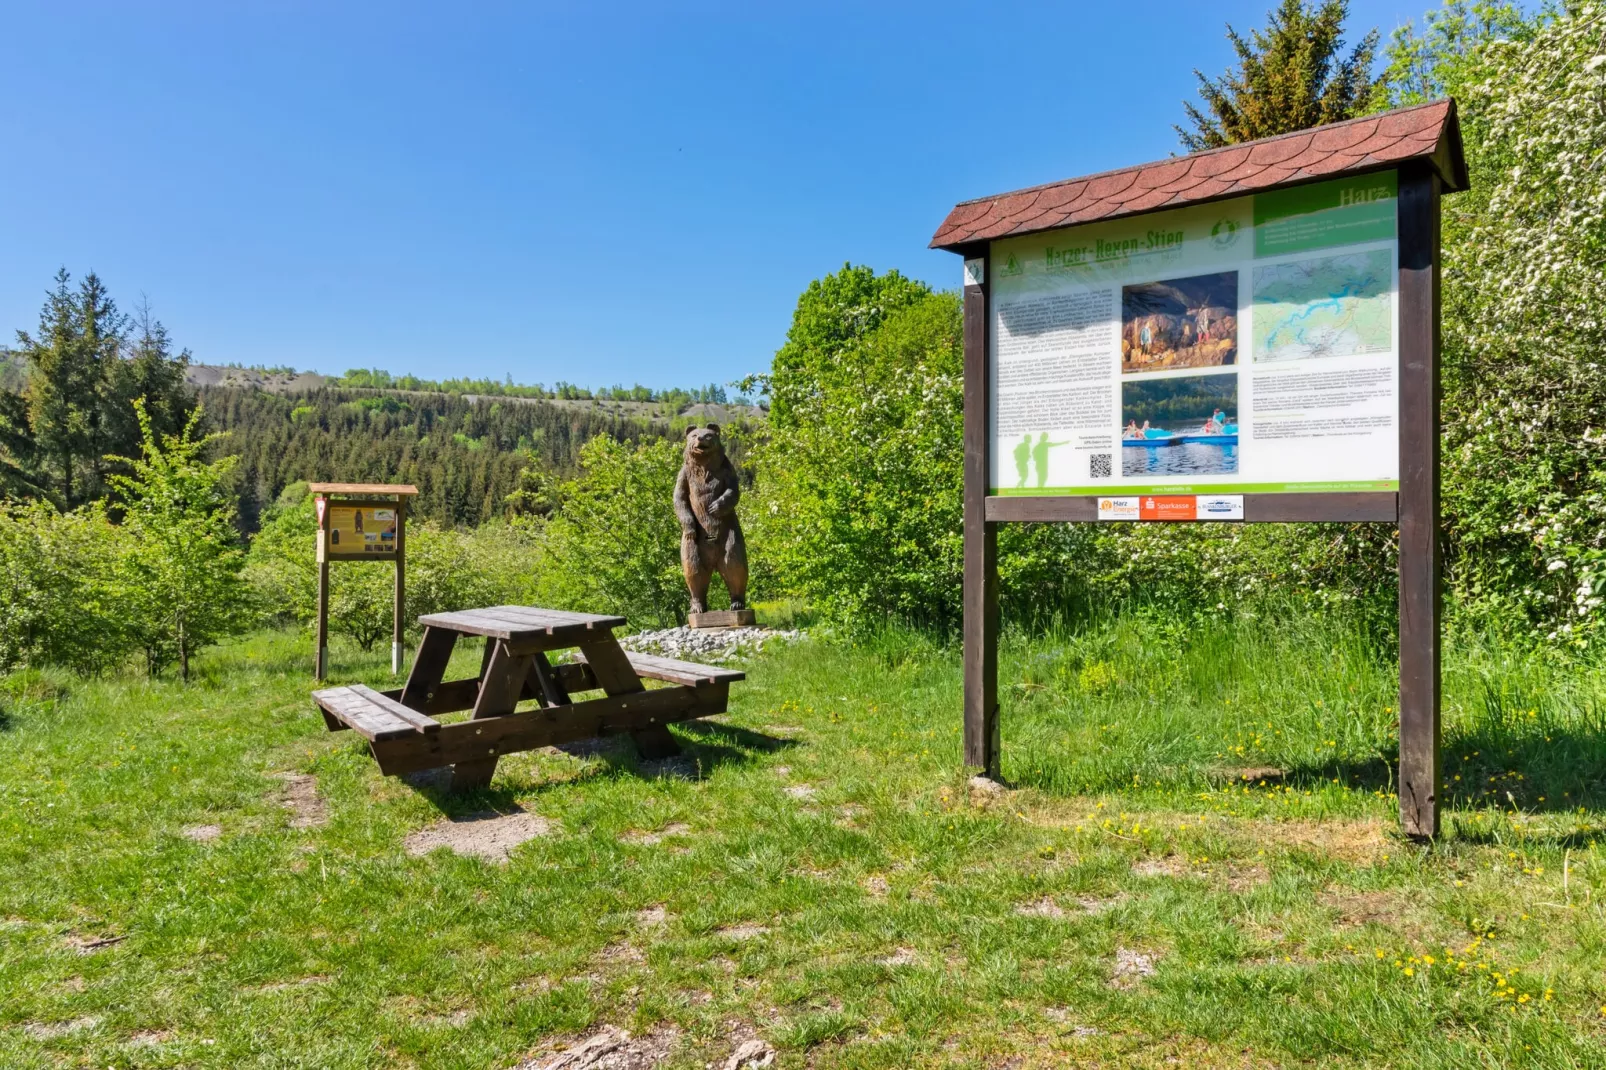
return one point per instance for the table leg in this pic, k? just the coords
(500, 686)
(429, 667)
(616, 677)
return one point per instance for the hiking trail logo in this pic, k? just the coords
(1224, 235)
(1011, 267)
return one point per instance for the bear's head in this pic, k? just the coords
(703, 447)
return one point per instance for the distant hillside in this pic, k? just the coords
(466, 455)
(280, 381)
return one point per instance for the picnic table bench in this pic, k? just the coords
(405, 737)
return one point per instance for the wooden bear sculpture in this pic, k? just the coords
(710, 535)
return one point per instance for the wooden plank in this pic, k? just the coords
(501, 685)
(1419, 502)
(419, 721)
(429, 667)
(399, 608)
(381, 489)
(981, 545)
(1011, 509)
(610, 666)
(560, 616)
(685, 673)
(368, 720)
(320, 660)
(479, 622)
(489, 739)
(544, 679)
(1350, 506)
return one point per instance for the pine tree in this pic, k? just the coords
(1291, 76)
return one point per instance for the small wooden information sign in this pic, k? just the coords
(361, 522)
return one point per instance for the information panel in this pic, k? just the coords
(1248, 345)
(361, 530)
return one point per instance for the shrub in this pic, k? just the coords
(61, 597)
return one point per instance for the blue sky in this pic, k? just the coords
(587, 192)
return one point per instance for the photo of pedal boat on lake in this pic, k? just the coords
(1180, 426)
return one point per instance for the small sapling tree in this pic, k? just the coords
(182, 564)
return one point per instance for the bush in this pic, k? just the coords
(62, 601)
(611, 542)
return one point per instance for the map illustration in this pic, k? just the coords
(1332, 306)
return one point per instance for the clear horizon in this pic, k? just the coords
(565, 194)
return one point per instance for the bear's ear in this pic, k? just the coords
(714, 428)
(692, 430)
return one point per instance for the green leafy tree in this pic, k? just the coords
(611, 543)
(1292, 75)
(182, 564)
(62, 597)
(1524, 288)
(832, 314)
(1435, 61)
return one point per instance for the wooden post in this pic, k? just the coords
(981, 538)
(320, 664)
(1419, 501)
(400, 619)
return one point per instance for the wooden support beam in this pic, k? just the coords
(1348, 506)
(1419, 502)
(981, 538)
(486, 740)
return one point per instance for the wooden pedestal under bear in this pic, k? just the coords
(710, 535)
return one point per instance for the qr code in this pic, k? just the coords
(1098, 466)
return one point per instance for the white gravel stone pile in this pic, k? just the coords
(706, 644)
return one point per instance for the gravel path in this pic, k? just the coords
(706, 644)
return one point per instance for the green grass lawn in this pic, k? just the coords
(817, 874)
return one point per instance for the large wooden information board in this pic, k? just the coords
(1245, 334)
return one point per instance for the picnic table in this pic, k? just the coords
(405, 736)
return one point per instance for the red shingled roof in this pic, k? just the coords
(1426, 132)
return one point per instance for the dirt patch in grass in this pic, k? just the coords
(647, 839)
(610, 1048)
(1131, 967)
(1092, 904)
(85, 944)
(1244, 877)
(489, 835)
(301, 798)
(1356, 908)
(745, 931)
(877, 886)
(903, 956)
(150, 1038)
(1349, 841)
(750, 1055)
(55, 1030)
(1165, 866)
(1040, 908)
(656, 915)
(801, 791)
(202, 833)
(285, 986)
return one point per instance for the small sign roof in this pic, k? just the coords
(400, 490)
(1424, 132)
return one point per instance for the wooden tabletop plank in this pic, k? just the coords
(558, 616)
(519, 622)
